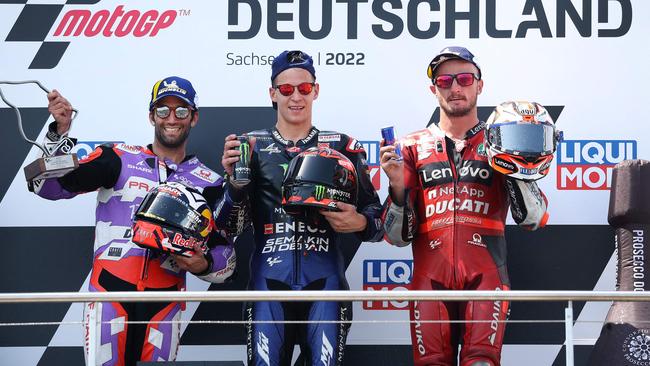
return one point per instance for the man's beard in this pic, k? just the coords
(171, 143)
(459, 112)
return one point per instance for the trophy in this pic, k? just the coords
(57, 159)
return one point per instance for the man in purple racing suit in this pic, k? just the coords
(293, 253)
(122, 175)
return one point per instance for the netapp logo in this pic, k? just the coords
(36, 21)
(390, 20)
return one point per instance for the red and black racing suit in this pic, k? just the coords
(454, 214)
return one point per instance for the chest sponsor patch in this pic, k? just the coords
(205, 174)
(128, 148)
(329, 138)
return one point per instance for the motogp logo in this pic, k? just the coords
(36, 21)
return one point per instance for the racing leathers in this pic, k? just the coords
(454, 214)
(296, 254)
(123, 175)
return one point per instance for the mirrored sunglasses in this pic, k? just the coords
(180, 112)
(288, 89)
(445, 81)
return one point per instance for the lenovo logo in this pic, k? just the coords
(471, 171)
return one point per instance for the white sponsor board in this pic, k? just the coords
(371, 59)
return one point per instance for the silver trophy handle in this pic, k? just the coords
(48, 166)
(19, 117)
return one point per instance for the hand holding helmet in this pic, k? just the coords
(520, 139)
(174, 219)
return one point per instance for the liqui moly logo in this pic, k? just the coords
(374, 169)
(588, 164)
(386, 275)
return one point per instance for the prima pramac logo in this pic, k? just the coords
(61, 21)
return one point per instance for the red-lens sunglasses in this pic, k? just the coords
(303, 88)
(463, 79)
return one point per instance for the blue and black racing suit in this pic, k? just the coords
(292, 254)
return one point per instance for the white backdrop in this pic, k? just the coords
(600, 81)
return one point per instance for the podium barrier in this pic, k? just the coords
(239, 296)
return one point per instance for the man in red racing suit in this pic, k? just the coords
(447, 200)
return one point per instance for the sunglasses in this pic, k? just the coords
(463, 79)
(288, 89)
(164, 112)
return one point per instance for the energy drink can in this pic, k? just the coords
(242, 172)
(388, 134)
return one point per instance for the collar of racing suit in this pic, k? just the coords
(313, 133)
(456, 147)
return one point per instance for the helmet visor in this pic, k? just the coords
(523, 138)
(325, 171)
(172, 211)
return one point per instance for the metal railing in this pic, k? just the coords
(416, 295)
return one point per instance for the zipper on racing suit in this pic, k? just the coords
(455, 162)
(456, 159)
(144, 272)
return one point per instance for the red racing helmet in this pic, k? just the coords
(173, 218)
(520, 139)
(316, 179)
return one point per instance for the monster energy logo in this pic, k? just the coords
(319, 192)
(244, 148)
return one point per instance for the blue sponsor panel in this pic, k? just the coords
(372, 149)
(588, 164)
(386, 275)
(374, 170)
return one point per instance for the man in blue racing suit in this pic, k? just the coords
(292, 253)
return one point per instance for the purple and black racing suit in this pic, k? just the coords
(122, 175)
